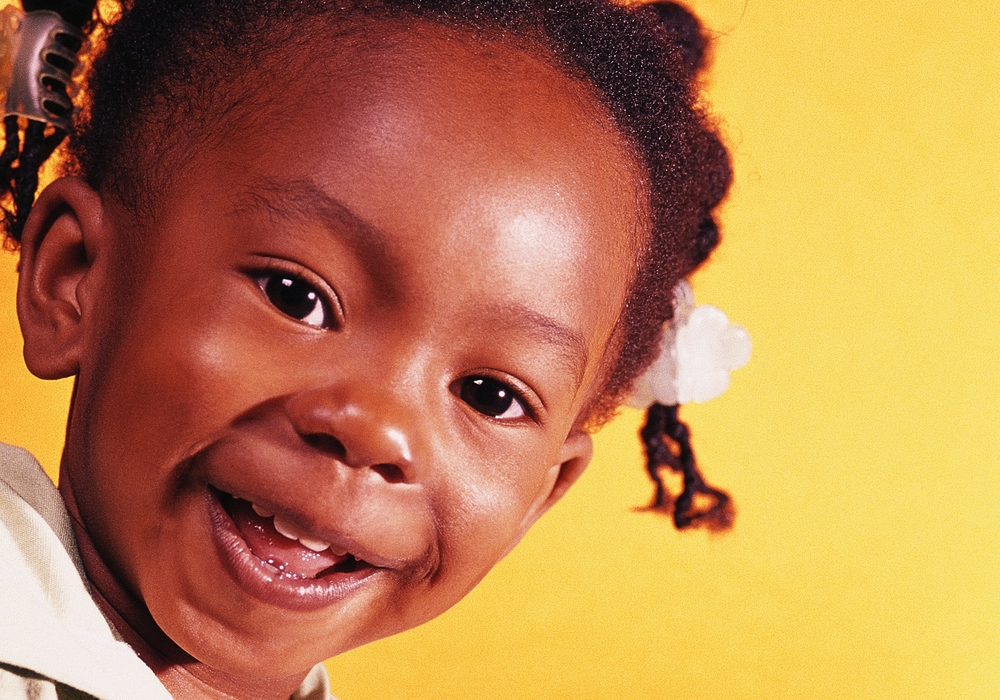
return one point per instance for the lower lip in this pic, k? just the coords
(264, 583)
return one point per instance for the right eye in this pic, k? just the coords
(491, 398)
(296, 298)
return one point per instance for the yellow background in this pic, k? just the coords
(862, 250)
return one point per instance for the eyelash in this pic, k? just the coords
(326, 307)
(465, 387)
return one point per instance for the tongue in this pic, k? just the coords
(286, 555)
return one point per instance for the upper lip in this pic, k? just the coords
(339, 540)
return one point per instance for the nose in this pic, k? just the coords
(359, 427)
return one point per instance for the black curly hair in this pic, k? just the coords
(158, 69)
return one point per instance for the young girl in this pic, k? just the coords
(344, 287)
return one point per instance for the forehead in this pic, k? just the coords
(487, 168)
(446, 101)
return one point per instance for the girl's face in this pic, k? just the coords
(375, 309)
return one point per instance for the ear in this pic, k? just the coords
(574, 456)
(63, 238)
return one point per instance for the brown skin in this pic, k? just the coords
(491, 211)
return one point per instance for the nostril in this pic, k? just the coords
(390, 472)
(335, 448)
(328, 444)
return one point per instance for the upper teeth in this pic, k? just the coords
(289, 530)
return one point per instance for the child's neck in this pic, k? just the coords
(184, 676)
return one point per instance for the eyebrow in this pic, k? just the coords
(304, 200)
(570, 343)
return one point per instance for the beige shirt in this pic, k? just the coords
(54, 641)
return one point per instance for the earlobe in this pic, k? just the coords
(62, 240)
(574, 456)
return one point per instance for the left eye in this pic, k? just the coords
(294, 297)
(491, 397)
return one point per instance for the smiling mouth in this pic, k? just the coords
(285, 548)
(281, 569)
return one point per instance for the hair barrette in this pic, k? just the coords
(39, 53)
(699, 348)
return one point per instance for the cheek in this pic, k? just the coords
(200, 352)
(181, 375)
(174, 381)
(484, 507)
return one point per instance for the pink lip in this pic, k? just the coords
(264, 583)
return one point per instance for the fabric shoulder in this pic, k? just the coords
(315, 686)
(22, 473)
(52, 634)
(21, 684)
